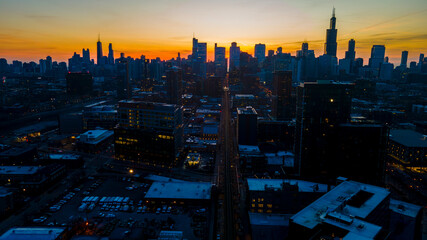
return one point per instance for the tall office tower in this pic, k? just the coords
(377, 56)
(99, 52)
(321, 107)
(404, 60)
(234, 56)
(174, 85)
(48, 63)
(259, 52)
(304, 50)
(331, 37)
(86, 55)
(247, 121)
(282, 88)
(42, 65)
(194, 52)
(220, 61)
(279, 51)
(351, 54)
(270, 53)
(110, 54)
(148, 133)
(421, 59)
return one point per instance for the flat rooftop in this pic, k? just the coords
(266, 219)
(404, 208)
(181, 190)
(256, 184)
(64, 156)
(18, 170)
(33, 233)
(157, 178)
(247, 110)
(349, 202)
(408, 138)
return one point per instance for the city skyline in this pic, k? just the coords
(398, 28)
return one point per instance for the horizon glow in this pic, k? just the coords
(32, 30)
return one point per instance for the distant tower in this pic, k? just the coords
(99, 51)
(377, 56)
(331, 37)
(234, 56)
(110, 54)
(259, 52)
(351, 54)
(404, 60)
(86, 55)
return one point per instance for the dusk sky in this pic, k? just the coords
(30, 30)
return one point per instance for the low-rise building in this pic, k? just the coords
(409, 148)
(34, 233)
(285, 196)
(94, 141)
(179, 193)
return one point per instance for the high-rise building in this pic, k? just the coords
(351, 54)
(148, 133)
(86, 55)
(282, 88)
(331, 37)
(174, 85)
(259, 52)
(404, 60)
(199, 58)
(377, 56)
(234, 56)
(220, 61)
(99, 55)
(321, 107)
(247, 121)
(110, 54)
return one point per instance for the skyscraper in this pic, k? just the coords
(259, 52)
(331, 37)
(247, 126)
(198, 58)
(351, 54)
(404, 60)
(282, 87)
(220, 61)
(377, 56)
(234, 56)
(321, 107)
(174, 85)
(86, 55)
(110, 54)
(99, 52)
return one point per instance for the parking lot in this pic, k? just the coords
(116, 205)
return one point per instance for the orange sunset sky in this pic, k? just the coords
(30, 30)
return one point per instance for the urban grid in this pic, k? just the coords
(259, 144)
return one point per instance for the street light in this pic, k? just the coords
(130, 170)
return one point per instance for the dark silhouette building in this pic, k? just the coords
(79, 83)
(331, 37)
(282, 88)
(247, 126)
(99, 55)
(321, 107)
(174, 85)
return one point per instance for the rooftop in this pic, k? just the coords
(264, 219)
(348, 202)
(33, 233)
(64, 156)
(404, 208)
(18, 170)
(181, 190)
(256, 184)
(408, 138)
(157, 178)
(246, 110)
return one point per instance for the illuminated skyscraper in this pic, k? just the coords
(331, 37)
(99, 51)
